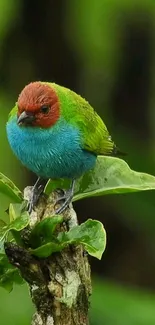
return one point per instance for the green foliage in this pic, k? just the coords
(8, 188)
(17, 224)
(90, 234)
(47, 249)
(19, 219)
(110, 176)
(44, 238)
(43, 231)
(9, 275)
(16, 209)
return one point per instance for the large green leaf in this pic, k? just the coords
(110, 176)
(90, 233)
(8, 188)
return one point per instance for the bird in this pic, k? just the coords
(56, 134)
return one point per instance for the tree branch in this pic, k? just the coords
(60, 285)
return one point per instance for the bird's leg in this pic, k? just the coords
(67, 198)
(37, 190)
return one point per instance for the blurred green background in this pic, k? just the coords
(104, 50)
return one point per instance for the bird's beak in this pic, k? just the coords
(25, 118)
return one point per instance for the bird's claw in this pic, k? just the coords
(35, 195)
(67, 198)
(30, 207)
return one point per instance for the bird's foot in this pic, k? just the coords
(37, 190)
(35, 195)
(66, 198)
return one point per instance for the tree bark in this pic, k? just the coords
(60, 285)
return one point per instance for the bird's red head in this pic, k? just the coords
(38, 105)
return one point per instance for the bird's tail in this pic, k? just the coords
(117, 152)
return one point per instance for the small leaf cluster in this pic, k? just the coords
(90, 234)
(44, 240)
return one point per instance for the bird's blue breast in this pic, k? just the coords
(55, 152)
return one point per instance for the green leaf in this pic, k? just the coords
(110, 176)
(91, 234)
(2, 223)
(8, 188)
(8, 274)
(16, 209)
(47, 249)
(43, 231)
(2, 251)
(17, 224)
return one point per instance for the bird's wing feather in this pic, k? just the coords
(13, 112)
(76, 110)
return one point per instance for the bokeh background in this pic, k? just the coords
(104, 50)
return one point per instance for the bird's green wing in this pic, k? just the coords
(76, 110)
(13, 112)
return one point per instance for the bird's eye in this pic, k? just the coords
(45, 109)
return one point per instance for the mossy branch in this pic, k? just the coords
(60, 285)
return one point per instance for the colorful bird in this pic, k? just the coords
(56, 134)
